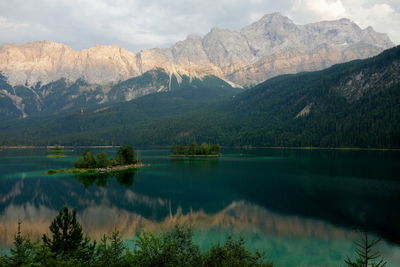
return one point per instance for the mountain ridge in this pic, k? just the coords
(353, 104)
(225, 53)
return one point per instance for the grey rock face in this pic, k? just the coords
(271, 46)
(45, 62)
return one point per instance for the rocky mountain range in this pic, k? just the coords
(353, 104)
(274, 45)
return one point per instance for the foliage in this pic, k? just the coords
(23, 252)
(266, 115)
(68, 247)
(87, 160)
(195, 149)
(233, 253)
(125, 155)
(173, 248)
(111, 251)
(67, 237)
(365, 255)
(102, 160)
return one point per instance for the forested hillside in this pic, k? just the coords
(355, 104)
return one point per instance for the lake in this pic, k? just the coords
(301, 207)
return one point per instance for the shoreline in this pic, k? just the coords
(96, 170)
(242, 147)
(321, 148)
(51, 147)
(195, 156)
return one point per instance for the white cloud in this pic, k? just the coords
(7, 25)
(17, 31)
(319, 9)
(139, 24)
(383, 16)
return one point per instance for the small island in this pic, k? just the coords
(196, 150)
(100, 163)
(56, 152)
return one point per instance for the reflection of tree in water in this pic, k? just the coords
(125, 178)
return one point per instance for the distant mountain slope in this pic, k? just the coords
(351, 104)
(63, 97)
(43, 77)
(187, 96)
(269, 47)
(355, 104)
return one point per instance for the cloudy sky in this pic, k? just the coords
(140, 24)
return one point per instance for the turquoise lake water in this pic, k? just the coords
(301, 207)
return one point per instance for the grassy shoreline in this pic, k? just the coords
(96, 170)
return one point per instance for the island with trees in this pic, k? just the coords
(100, 163)
(196, 150)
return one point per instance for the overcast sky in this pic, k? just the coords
(140, 24)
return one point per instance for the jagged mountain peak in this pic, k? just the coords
(345, 31)
(275, 16)
(271, 46)
(269, 23)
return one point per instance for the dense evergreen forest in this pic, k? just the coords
(355, 104)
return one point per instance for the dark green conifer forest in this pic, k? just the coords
(355, 104)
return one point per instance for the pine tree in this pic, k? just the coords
(111, 250)
(126, 155)
(23, 251)
(67, 237)
(366, 257)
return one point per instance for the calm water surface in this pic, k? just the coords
(299, 206)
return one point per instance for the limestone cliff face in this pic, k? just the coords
(45, 62)
(272, 46)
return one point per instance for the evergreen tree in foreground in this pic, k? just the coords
(366, 257)
(67, 236)
(23, 252)
(66, 246)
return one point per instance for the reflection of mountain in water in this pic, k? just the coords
(267, 211)
(100, 208)
(130, 203)
(98, 219)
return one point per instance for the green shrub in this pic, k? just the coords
(233, 253)
(51, 171)
(173, 248)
